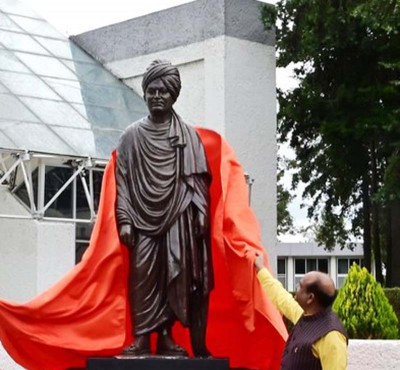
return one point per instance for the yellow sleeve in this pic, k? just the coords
(331, 349)
(279, 296)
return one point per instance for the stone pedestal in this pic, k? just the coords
(157, 363)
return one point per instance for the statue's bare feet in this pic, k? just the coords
(202, 353)
(140, 347)
(167, 347)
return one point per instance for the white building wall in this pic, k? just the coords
(33, 254)
(250, 125)
(55, 252)
(18, 272)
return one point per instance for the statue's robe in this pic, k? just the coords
(86, 314)
(162, 186)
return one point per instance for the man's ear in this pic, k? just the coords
(311, 298)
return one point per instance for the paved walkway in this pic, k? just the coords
(363, 355)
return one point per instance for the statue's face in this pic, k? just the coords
(157, 97)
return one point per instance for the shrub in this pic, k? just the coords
(393, 295)
(364, 308)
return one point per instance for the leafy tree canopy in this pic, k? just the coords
(343, 120)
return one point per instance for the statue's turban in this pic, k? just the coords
(165, 71)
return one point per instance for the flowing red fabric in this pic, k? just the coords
(86, 313)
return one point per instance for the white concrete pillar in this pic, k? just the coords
(290, 275)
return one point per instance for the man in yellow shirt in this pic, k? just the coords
(318, 339)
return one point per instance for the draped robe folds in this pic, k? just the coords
(162, 187)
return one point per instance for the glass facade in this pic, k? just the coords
(53, 91)
(56, 99)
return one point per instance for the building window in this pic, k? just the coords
(343, 266)
(304, 265)
(282, 271)
(72, 203)
(82, 237)
(55, 178)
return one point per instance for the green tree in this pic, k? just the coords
(343, 119)
(285, 219)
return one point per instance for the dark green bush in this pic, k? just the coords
(364, 308)
(393, 295)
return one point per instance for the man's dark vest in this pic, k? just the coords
(298, 351)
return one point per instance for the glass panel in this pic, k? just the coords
(55, 178)
(134, 100)
(29, 85)
(17, 7)
(340, 281)
(5, 142)
(97, 181)
(281, 266)
(22, 193)
(11, 108)
(83, 233)
(106, 141)
(81, 109)
(7, 24)
(300, 266)
(82, 140)
(311, 264)
(37, 27)
(80, 249)
(40, 138)
(56, 113)
(343, 265)
(323, 265)
(103, 117)
(9, 62)
(46, 66)
(80, 55)
(18, 41)
(91, 72)
(102, 95)
(131, 107)
(82, 205)
(69, 90)
(64, 49)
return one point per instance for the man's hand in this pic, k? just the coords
(126, 235)
(259, 261)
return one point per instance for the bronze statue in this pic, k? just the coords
(162, 212)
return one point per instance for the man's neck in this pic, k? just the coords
(311, 311)
(161, 118)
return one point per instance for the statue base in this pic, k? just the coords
(157, 363)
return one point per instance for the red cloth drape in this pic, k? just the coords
(85, 314)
